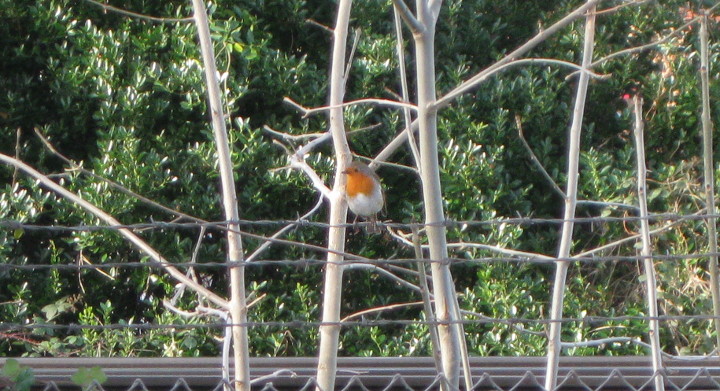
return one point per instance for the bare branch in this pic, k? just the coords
(121, 11)
(332, 285)
(317, 182)
(346, 76)
(435, 6)
(397, 142)
(114, 184)
(644, 47)
(662, 40)
(17, 154)
(517, 327)
(307, 148)
(189, 217)
(201, 235)
(633, 238)
(620, 6)
(709, 171)
(384, 273)
(407, 16)
(427, 299)
(484, 75)
(238, 302)
(318, 24)
(384, 308)
(569, 206)
(500, 250)
(646, 251)
(267, 244)
(534, 159)
(404, 86)
(534, 41)
(292, 137)
(102, 215)
(375, 101)
(275, 374)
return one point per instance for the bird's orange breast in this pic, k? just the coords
(358, 183)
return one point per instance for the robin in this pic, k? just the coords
(363, 192)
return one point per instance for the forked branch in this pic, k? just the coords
(104, 216)
(407, 16)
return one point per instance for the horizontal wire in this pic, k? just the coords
(11, 224)
(302, 324)
(14, 225)
(376, 262)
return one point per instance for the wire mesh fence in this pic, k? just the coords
(508, 373)
(588, 374)
(506, 255)
(390, 268)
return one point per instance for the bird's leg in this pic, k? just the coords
(355, 227)
(373, 227)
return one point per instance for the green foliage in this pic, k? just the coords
(89, 378)
(21, 377)
(125, 99)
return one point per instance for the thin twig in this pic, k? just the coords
(17, 155)
(129, 235)
(534, 159)
(375, 163)
(662, 40)
(292, 137)
(376, 101)
(305, 136)
(464, 356)
(500, 250)
(309, 147)
(280, 372)
(513, 253)
(201, 235)
(484, 75)
(389, 307)
(383, 272)
(606, 341)
(298, 163)
(396, 142)
(363, 129)
(404, 85)
(505, 322)
(709, 170)
(114, 184)
(632, 238)
(426, 299)
(315, 23)
(282, 231)
(515, 54)
(121, 11)
(616, 8)
(348, 66)
(646, 251)
(191, 270)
